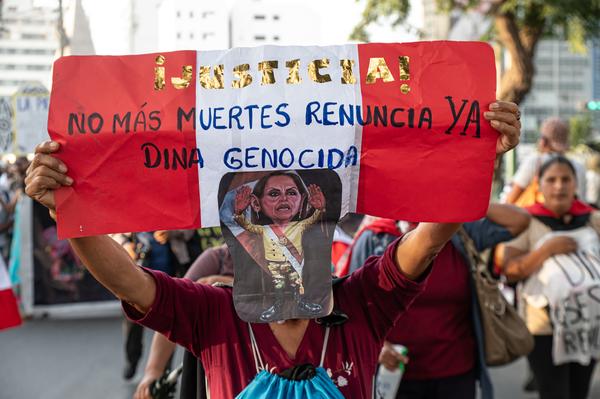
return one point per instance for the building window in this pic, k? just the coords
(276, 38)
(179, 35)
(259, 17)
(33, 36)
(276, 17)
(191, 14)
(259, 37)
(178, 14)
(191, 35)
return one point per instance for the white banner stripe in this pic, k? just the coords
(270, 129)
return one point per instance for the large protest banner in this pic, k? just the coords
(147, 138)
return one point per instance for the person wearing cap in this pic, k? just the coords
(554, 140)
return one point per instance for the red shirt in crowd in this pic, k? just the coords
(203, 319)
(438, 328)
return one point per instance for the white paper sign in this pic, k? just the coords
(31, 121)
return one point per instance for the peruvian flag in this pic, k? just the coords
(9, 311)
(147, 138)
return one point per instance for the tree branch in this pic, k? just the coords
(517, 80)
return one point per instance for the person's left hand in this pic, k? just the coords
(390, 359)
(505, 118)
(316, 199)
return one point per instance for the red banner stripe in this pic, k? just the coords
(417, 175)
(114, 193)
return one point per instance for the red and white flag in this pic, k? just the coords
(147, 138)
(9, 310)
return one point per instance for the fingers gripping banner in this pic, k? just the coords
(148, 138)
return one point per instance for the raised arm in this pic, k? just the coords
(511, 217)
(105, 259)
(420, 246)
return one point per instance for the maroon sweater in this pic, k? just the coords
(203, 319)
(437, 329)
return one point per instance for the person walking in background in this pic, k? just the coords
(554, 139)
(526, 258)
(441, 330)
(187, 245)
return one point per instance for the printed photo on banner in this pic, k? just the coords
(279, 226)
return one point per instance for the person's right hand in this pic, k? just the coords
(45, 174)
(560, 245)
(143, 389)
(243, 196)
(391, 359)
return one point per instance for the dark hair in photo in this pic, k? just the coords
(556, 159)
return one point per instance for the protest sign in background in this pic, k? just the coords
(6, 115)
(147, 138)
(31, 118)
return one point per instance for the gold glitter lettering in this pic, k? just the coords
(315, 74)
(159, 73)
(244, 78)
(347, 76)
(404, 73)
(378, 69)
(187, 73)
(294, 72)
(211, 82)
(266, 67)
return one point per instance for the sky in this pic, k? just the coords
(109, 27)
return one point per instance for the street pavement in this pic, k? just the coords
(69, 359)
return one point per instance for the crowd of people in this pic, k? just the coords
(395, 282)
(12, 176)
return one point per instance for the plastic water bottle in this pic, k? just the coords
(387, 383)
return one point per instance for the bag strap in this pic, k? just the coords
(477, 264)
(475, 259)
(325, 341)
(258, 362)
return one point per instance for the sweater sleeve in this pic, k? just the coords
(378, 293)
(185, 312)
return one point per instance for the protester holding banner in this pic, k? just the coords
(557, 261)
(203, 319)
(440, 330)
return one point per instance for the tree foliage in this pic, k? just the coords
(580, 128)
(518, 27)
